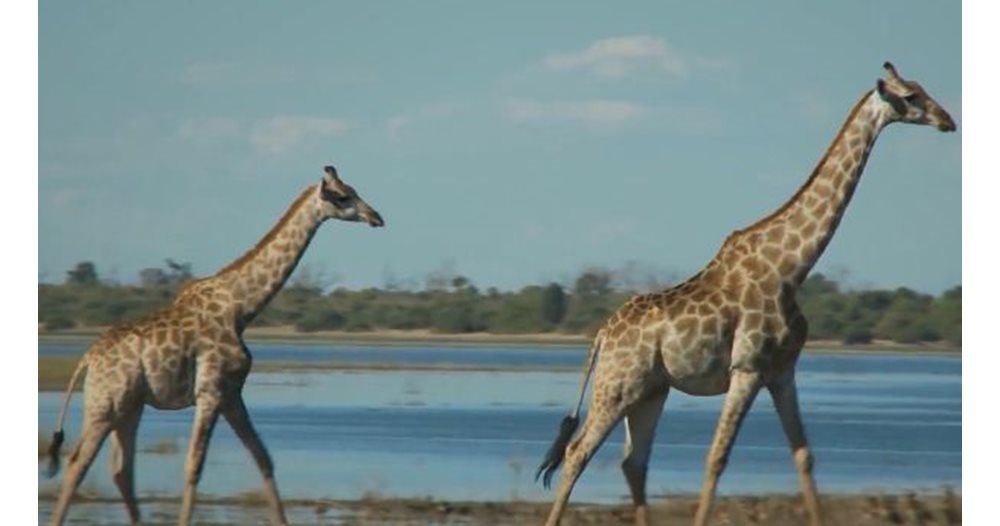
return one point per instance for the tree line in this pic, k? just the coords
(456, 305)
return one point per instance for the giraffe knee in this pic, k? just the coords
(192, 478)
(267, 467)
(192, 475)
(717, 464)
(574, 445)
(804, 460)
(120, 478)
(633, 467)
(75, 454)
(635, 477)
(575, 460)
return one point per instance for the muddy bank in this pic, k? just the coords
(777, 510)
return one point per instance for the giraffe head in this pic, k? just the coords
(339, 201)
(908, 102)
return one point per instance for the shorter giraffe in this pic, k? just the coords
(192, 353)
(732, 328)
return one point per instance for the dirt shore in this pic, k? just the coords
(781, 510)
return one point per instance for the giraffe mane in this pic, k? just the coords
(271, 234)
(815, 172)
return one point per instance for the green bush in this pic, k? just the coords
(320, 320)
(58, 323)
(457, 306)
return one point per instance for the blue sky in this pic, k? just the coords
(513, 143)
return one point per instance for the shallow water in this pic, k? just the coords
(877, 421)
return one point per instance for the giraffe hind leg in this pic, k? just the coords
(579, 452)
(92, 436)
(640, 429)
(612, 398)
(123, 461)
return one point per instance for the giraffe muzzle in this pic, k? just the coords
(947, 125)
(373, 218)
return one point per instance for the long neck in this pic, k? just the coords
(259, 274)
(794, 237)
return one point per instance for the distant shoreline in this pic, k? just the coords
(54, 371)
(395, 337)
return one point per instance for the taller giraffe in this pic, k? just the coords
(192, 353)
(734, 327)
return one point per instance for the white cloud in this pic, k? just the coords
(616, 57)
(280, 133)
(595, 113)
(437, 110)
(208, 129)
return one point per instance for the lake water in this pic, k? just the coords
(878, 422)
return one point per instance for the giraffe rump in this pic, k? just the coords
(554, 457)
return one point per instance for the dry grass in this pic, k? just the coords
(165, 446)
(54, 372)
(43, 445)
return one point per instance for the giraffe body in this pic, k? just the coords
(732, 328)
(191, 353)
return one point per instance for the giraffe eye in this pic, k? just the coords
(912, 98)
(337, 199)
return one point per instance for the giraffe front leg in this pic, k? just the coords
(743, 388)
(237, 416)
(786, 402)
(123, 461)
(205, 416)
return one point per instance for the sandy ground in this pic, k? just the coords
(911, 509)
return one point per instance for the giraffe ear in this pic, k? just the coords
(330, 178)
(330, 173)
(891, 70)
(890, 97)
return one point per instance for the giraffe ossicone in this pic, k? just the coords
(192, 353)
(734, 327)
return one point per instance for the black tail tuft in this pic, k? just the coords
(54, 447)
(555, 455)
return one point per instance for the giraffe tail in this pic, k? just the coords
(554, 457)
(58, 437)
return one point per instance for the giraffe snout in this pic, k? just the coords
(374, 219)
